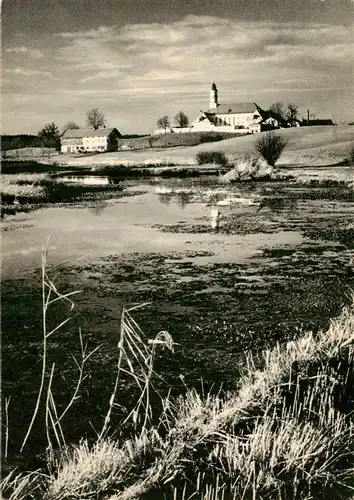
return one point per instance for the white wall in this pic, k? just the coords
(86, 143)
(95, 143)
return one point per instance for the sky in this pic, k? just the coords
(137, 60)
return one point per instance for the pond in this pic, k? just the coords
(225, 268)
(140, 224)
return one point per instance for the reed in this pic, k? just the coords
(285, 431)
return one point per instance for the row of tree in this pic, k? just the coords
(279, 110)
(181, 120)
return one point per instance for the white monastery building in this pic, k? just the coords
(89, 140)
(229, 117)
(241, 117)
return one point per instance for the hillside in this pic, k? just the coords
(174, 140)
(307, 146)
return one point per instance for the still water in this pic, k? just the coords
(133, 224)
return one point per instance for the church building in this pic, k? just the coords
(229, 117)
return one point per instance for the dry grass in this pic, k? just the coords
(26, 185)
(285, 432)
(280, 434)
(34, 152)
(248, 167)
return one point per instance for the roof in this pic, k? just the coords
(88, 132)
(233, 108)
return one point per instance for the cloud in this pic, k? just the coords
(29, 72)
(157, 68)
(33, 53)
(199, 48)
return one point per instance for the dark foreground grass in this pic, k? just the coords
(29, 167)
(284, 432)
(119, 171)
(57, 191)
(217, 157)
(155, 170)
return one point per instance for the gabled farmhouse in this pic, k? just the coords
(88, 140)
(239, 116)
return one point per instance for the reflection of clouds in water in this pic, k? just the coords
(87, 180)
(218, 196)
(98, 208)
(215, 200)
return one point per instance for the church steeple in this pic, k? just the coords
(213, 103)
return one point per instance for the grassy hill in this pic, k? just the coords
(175, 140)
(320, 145)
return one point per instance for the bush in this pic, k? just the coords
(211, 138)
(217, 157)
(350, 157)
(270, 146)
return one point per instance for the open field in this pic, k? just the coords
(29, 153)
(320, 145)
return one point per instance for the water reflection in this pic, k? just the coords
(89, 180)
(278, 204)
(183, 198)
(215, 217)
(165, 198)
(99, 207)
(214, 199)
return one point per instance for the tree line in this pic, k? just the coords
(285, 113)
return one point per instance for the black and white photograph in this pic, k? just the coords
(177, 250)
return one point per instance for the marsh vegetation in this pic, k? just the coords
(234, 381)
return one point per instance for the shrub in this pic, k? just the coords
(217, 157)
(270, 146)
(211, 138)
(350, 157)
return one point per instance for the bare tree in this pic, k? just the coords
(292, 111)
(277, 110)
(95, 118)
(270, 146)
(71, 126)
(163, 122)
(181, 119)
(151, 139)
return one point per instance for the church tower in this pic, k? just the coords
(213, 97)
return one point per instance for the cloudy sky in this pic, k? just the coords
(137, 60)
